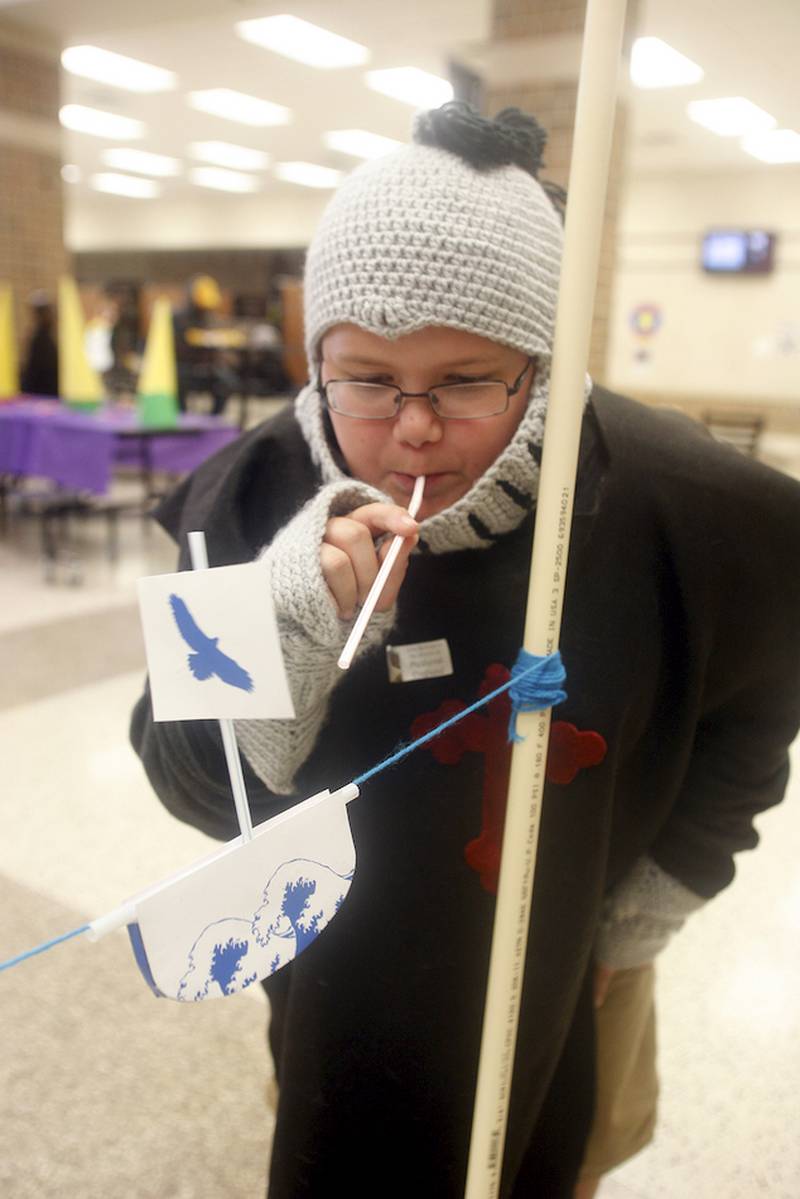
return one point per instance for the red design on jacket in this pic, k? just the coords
(569, 751)
(486, 732)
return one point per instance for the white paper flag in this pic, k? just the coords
(250, 909)
(212, 645)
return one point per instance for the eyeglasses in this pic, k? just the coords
(450, 401)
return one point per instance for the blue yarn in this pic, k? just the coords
(30, 953)
(534, 682)
(535, 685)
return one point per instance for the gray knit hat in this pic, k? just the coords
(457, 232)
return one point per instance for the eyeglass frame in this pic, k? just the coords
(511, 389)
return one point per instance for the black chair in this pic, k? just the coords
(741, 429)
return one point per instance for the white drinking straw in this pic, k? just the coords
(594, 123)
(357, 631)
(197, 549)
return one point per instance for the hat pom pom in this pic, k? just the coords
(510, 138)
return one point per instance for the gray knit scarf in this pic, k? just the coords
(496, 504)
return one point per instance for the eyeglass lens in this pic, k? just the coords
(462, 401)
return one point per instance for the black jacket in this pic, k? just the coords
(681, 641)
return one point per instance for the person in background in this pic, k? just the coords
(430, 298)
(202, 365)
(40, 370)
(99, 337)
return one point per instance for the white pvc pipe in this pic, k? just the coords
(594, 125)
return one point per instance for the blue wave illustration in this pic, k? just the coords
(299, 901)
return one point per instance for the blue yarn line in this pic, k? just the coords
(31, 953)
(534, 685)
(534, 689)
(552, 670)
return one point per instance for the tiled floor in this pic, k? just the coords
(80, 828)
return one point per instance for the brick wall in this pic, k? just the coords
(29, 83)
(553, 104)
(536, 18)
(32, 253)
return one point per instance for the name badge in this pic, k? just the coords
(424, 660)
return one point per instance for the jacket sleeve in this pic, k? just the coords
(185, 764)
(739, 767)
(742, 643)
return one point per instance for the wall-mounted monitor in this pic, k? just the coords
(738, 251)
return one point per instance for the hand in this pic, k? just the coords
(350, 559)
(602, 981)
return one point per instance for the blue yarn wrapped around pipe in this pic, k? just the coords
(536, 684)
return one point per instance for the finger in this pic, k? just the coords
(355, 540)
(385, 518)
(397, 574)
(339, 576)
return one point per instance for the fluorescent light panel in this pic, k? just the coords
(125, 185)
(360, 143)
(411, 85)
(223, 180)
(775, 146)
(236, 106)
(308, 174)
(98, 123)
(226, 154)
(304, 42)
(142, 162)
(117, 70)
(732, 116)
(656, 64)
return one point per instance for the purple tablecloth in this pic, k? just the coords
(44, 439)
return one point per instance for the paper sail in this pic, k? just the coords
(253, 907)
(157, 393)
(9, 364)
(212, 645)
(78, 383)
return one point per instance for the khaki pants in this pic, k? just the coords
(627, 1084)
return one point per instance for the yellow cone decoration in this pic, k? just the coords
(158, 384)
(9, 363)
(78, 383)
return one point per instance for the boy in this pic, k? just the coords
(430, 300)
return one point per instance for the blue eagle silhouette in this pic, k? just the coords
(207, 659)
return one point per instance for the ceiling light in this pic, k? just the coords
(71, 173)
(411, 85)
(221, 180)
(98, 123)
(655, 64)
(235, 106)
(226, 154)
(125, 185)
(360, 143)
(776, 146)
(142, 162)
(733, 116)
(303, 42)
(308, 174)
(117, 70)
